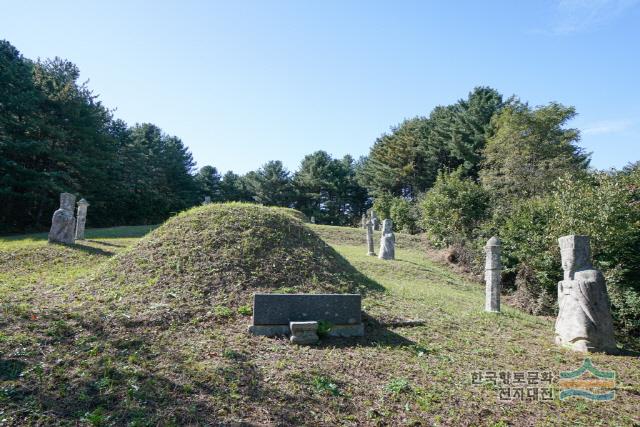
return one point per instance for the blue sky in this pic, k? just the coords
(244, 82)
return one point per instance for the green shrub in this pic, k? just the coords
(222, 311)
(324, 384)
(404, 215)
(402, 212)
(453, 209)
(324, 327)
(382, 205)
(245, 310)
(604, 206)
(397, 386)
(527, 241)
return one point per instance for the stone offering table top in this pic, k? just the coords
(272, 313)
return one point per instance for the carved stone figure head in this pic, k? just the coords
(575, 251)
(387, 226)
(67, 202)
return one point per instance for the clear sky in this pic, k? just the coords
(244, 82)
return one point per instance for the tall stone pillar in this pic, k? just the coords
(492, 269)
(370, 251)
(81, 218)
(63, 223)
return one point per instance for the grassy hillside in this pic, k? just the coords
(83, 342)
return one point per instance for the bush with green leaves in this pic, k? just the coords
(453, 209)
(403, 212)
(604, 206)
(382, 205)
(405, 215)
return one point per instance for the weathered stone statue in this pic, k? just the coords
(312, 219)
(492, 269)
(207, 200)
(387, 241)
(375, 221)
(370, 251)
(63, 223)
(363, 222)
(584, 320)
(81, 218)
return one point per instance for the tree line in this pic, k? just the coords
(482, 166)
(489, 166)
(55, 136)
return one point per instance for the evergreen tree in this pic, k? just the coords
(529, 150)
(396, 161)
(328, 190)
(234, 188)
(271, 184)
(406, 161)
(208, 181)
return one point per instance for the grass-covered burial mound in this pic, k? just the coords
(218, 255)
(157, 334)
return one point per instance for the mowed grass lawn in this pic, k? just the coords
(426, 335)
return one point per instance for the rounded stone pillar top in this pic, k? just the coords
(494, 241)
(83, 202)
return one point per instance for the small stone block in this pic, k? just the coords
(304, 332)
(298, 327)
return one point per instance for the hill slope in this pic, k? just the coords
(75, 347)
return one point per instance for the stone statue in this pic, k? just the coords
(363, 222)
(81, 218)
(370, 251)
(207, 200)
(387, 241)
(375, 221)
(584, 320)
(63, 223)
(492, 268)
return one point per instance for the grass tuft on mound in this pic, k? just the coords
(219, 255)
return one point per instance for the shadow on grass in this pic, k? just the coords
(84, 248)
(103, 243)
(123, 232)
(376, 334)
(365, 284)
(419, 266)
(120, 384)
(10, 369)
(626, 351)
